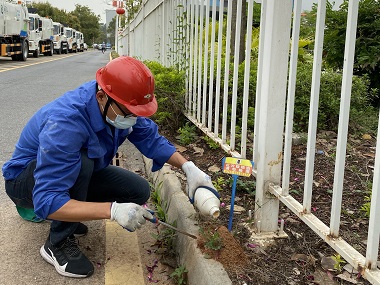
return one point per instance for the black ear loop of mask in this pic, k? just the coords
(109, 101)
(105, 110)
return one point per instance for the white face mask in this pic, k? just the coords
(121, 122)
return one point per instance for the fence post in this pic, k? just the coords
(272, 109)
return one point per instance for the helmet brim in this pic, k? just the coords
(145, 110)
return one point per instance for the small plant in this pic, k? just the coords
(164, 241)
(157, 201)
(114, 54)
(211, 143)
(219, 183)
(294, 191)
(248, 186)
(339, 262)
(187, 134)
(164, 238)
(180, 275)
(366, 207)
(212, 239)
(303, 138)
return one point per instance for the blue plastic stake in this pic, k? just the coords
(235, 177)
(234, 167)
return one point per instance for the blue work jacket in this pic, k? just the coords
(59, 131)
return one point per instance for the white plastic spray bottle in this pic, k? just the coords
(206, 200)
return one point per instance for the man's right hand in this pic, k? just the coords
(129, 215)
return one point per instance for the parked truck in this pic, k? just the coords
(60, 39)
(14, 30)
(71, 39)
(40, 35)
(80, 41)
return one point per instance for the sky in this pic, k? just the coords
(308, 4)
(97, 6)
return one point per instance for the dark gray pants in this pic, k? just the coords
(107, 185)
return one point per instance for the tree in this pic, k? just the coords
(89, 22)
(112, 27)
(46, 10)
(367, 59)
(132, 7)
(81, 19)
(73, 22)
(243, 31)
(111, 30)
(103, 34)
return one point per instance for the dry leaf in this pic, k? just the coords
(295, 234)
(309, 259)
(299, 257)
(292, 221)
(237, 209)
(350, 269)
(347, 277)
(328, 263)
(214, 168)
(180, 148)
(321, 278)
(198, 150)
(296, 271)
(329, 275)
(369, 154)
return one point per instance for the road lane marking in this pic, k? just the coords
(33, 63)
(123, 264)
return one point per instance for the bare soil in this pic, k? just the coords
(302, 257)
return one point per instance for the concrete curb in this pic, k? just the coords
(201, 271)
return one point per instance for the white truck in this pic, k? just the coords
(14, 30)
(60, 39)
(80, 41)
(71, 39)
(40, 35)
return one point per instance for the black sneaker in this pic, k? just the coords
(67, 258)
(81, 230)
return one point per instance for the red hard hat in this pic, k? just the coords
(129, 82)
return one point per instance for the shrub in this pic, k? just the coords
(187, 134)
(170, 91)
(329, 98)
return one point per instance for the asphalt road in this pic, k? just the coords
(25, 87)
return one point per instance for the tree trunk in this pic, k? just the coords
(243, 29)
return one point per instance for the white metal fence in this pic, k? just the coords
(180, 32)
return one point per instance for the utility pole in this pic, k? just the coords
(117, 29)
(119, 11)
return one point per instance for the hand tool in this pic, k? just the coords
(157, 221)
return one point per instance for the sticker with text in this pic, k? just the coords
(237, 166)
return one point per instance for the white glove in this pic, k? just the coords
(195, 178)
(129, 215)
